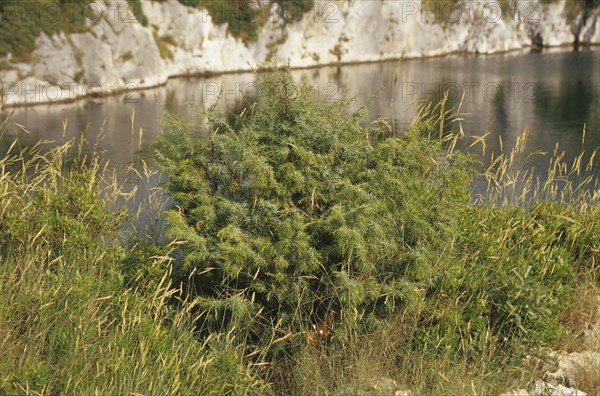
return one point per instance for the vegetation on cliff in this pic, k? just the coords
(23, 22)
(244, 18)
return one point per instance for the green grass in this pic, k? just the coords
(69, 321)
(304, 253)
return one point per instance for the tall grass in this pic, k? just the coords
(70, 323)
(528, 258)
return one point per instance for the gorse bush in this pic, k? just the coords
(301, 212)
(296, 213)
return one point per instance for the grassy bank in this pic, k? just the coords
(305, 253)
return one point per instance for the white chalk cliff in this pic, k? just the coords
(118, 54)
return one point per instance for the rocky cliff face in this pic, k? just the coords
(117, 53)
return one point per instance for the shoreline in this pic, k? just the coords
(106, 92)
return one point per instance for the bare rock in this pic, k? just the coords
(542, 388)
(572, 365)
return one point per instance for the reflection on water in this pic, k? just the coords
(553, 94)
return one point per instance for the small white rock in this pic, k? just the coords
(542, 388)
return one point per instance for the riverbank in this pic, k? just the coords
(184, 41)
(503, 94)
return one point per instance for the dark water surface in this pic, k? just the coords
(553, 94)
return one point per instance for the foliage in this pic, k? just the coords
(23, 22)
(69, 324)
(294, 6)
(444, 11)
(245, 17)
(21, 26)
(296, 213)
(308, 252)
(138, 11)
(163, 43)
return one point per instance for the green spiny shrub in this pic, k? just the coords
(299, 212)
(303, 208)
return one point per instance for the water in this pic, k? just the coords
(553, 93)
